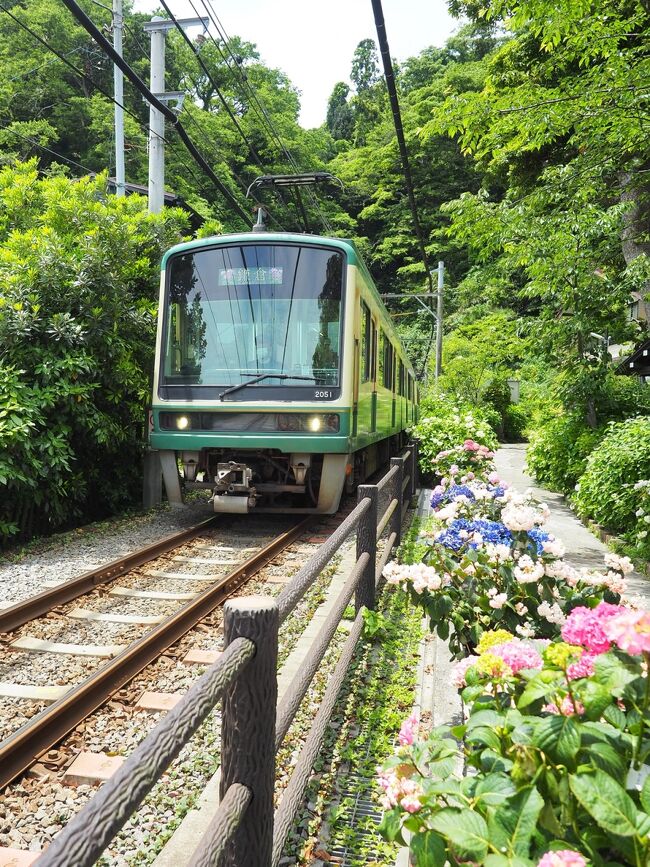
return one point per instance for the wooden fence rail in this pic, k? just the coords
(245, 831)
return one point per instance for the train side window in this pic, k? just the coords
(381, 358)
(373, 351)
(388, 364)
(366, 342)
(401, 378)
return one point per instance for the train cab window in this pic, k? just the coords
(367, 326)
(238, 311)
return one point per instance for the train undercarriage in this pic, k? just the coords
(269, 480)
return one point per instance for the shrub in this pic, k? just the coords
(79, 274)
(443, 424)
(606, 492)
(558, 452)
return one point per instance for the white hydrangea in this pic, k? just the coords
(527, 571)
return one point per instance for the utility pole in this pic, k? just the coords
(157, 29)
(441, 284)
(118, 90)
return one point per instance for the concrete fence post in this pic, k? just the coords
(395, 525)
(367, 544)
(248, 728)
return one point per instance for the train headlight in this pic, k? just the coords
(301, 422)
(182, 422)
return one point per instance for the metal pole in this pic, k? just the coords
(157, 121)
(367, 544)
(118, 89)
(248, 728)
(441, 283)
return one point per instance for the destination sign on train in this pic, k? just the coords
(245, 276)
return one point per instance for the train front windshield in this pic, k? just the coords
(249, 310)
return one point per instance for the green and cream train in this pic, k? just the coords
(279, 376)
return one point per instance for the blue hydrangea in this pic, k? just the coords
(451, 494)
(496, 491)
(492, 532)
(538, 537)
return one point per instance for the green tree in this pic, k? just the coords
(79, 276)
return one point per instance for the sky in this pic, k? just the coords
(314, 43)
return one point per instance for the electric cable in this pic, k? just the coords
(260, 109)
(71, 66)
(108, 49)
(399, 132)
(49, 150)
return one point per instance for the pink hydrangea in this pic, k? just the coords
(471, 446)
(460, 670)
(585, 626)
(562, 858)
(517, 654)
(408, 731)
(629, 630)
(567, 707)
(584, 667)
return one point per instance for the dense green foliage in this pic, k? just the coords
(79, 278)
(443, 424)
(606, 491)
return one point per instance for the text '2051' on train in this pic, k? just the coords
(279, 376)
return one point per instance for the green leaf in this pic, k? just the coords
(607, 759)
(558, 737)
(606, 801)
(612, 673)
(517, 820)
(595, 698)
(486, 736)
(486, 717)
(390, 826)
(494, 789)
(539, 687)
(428, 849)
(644, 794)
(466, 830)
(614, 715)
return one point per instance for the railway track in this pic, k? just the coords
(235, 565)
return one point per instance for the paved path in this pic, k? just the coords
(582, 547)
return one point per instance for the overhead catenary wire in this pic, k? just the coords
(401, 141)
(108, 49)
(222, 99)
(258, 107)
(75, 69)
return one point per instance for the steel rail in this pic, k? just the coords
(47, 728)
(22, 612)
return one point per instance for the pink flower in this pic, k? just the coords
(408, 731)
(517, 654)
(629, 630)
(460, 670)
(562, 858)
(454, 469)
(471, 446)
(493, 478)
(566, 708)
(585, 626)
(584, 667)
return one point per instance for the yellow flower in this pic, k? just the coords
(562, 654)
(492, 665)
(490, 639)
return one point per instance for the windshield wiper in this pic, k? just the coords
(260, 378)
